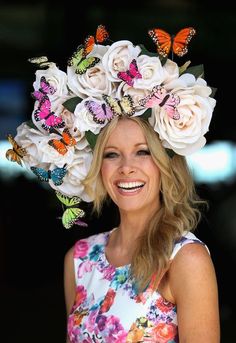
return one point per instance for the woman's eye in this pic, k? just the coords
(143, 152)
(110, 155)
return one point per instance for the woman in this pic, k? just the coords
(118, 124)
(142, 281)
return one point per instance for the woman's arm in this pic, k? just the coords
(69, 282)
(193, 285)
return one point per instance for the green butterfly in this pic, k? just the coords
(80, 62)
(72, 214)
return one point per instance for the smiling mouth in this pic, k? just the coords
(130, 186)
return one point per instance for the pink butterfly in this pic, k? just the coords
(43, 112)
(45, 88)
(100, 112)
(160, 97)
(129, 75)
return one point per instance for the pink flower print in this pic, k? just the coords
(164, 333)
(113, 325)
(90, 324)
(108, 272)
(164, 305)
(84, 267)
(81, 295)
(81, 249)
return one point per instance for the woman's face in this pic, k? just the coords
(129, 174)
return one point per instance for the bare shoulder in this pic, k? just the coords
(193, 285)
(69, 256)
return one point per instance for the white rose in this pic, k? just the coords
(118, 58)
(186, 135)
(151, 70)
(77, 170)
(57, 79)
(171, 71)
(84, 119)
(94, 81)
(29, 138)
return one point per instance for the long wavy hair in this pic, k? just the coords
(179, 211)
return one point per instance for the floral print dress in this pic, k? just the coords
(107, 307)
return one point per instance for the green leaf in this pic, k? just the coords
(31, 124)
(212, 95)
(170, 152)
(71, 104)
(146, 114)
(197, 71)
(91, 138)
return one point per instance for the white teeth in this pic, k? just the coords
(130, 185)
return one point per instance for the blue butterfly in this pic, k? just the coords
(56, 175)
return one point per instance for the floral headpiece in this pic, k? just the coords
(103, 81)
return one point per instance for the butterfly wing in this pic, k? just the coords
(162, 39)
(16, 153)
(66, 200)
(101, 34)
(127, 105)
(57, 175)
(71, 215)
(88, 45)
(58, 145)
(100, 112)
(45, 86)
(43, 109)
(113, 103)
(85, 64)
(131, 74)
(42, 174)
(61, 144)
(76, 57)
(181, 41)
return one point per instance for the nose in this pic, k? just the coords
(127, 167)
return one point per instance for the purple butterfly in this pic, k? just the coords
(44, 113)
(129, 75)
(100, 112)
(45, 88)
(160, 97)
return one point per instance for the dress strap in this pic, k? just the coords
(187, 238)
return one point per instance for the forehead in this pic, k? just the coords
(126, 132)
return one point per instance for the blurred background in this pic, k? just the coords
(33, 240)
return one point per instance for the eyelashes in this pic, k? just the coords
(112, 154)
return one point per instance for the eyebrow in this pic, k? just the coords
(115, 147)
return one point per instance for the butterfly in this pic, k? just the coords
(160, 97)
(16, 153)
(43, 112)
(72, 213)
(100, 112)
(178, 44)
(41, 61)
(81, 62)
(56, 175)
(45, 88)
(61, 144)
(129, 75)
(100, 36)
(124, 106)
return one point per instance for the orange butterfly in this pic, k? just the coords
(178, 44)
(61, 144)
(100, 37)
(16, 153)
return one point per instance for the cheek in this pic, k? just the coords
(105, 172)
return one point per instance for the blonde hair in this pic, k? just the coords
(179, 210)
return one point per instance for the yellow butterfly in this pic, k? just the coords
(16, 153)
(124, 106)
